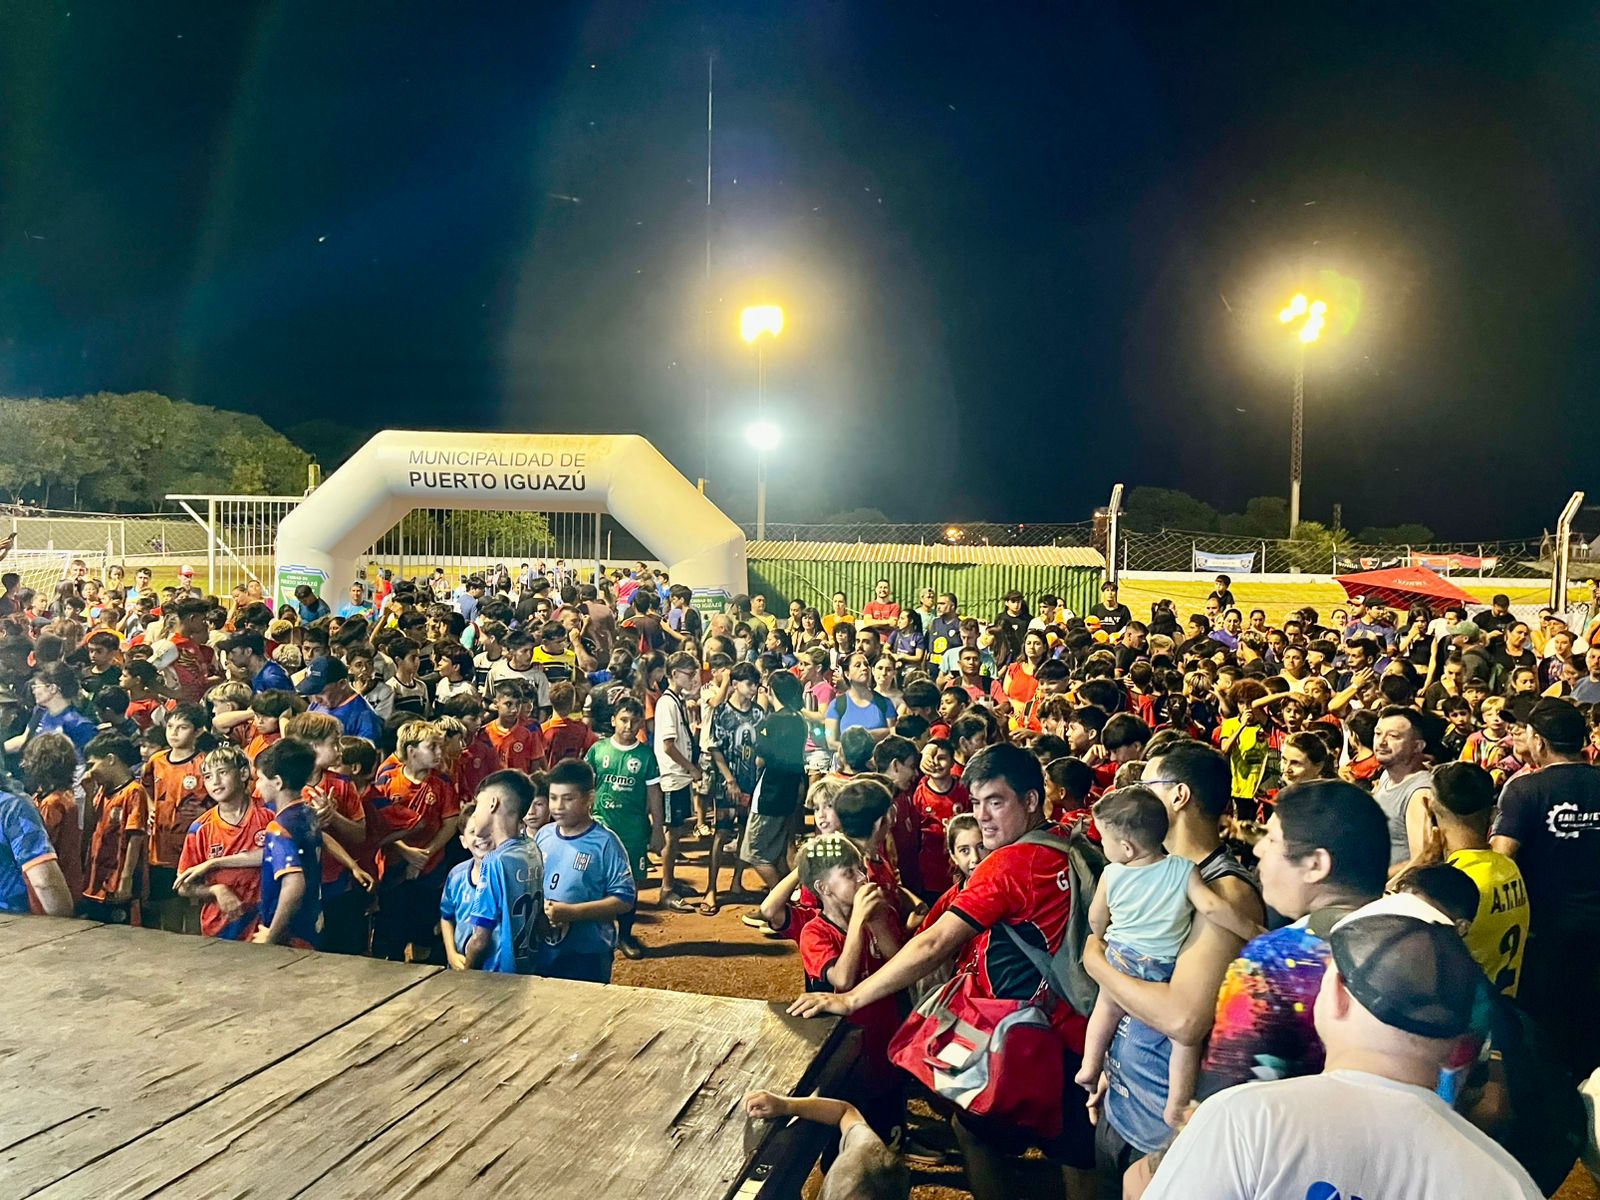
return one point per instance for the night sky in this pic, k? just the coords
(1025, 252)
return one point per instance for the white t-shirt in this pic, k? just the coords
(1344, 1133)
(532, 676)
(672, 722)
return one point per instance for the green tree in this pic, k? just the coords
(1314, 547)
(1263, 517)
(1152, 509)
(1413, 534)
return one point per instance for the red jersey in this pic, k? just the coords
(59, 811)
(383, 817)
(347, 803)
(177, 796)
(905, 838)
(821, 944)
(520, 748)
(212, 837)
(941, 906)
(566, 737)
(142, 712)
(804, 907)
(386, 770)
(118, 816)
(933, 812)
(260, 742)
(477, 762)
(1105, 775)
(1026, 887)
(241, 735)
(433, 801)
(194, 668)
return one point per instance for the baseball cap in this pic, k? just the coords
(163, 653)
(186, 571)
(320, 674)
(244, 640)
(1467, 629)
(1560, 723)
(1404, 962)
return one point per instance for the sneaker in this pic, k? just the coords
(918, 1153)
(631, 947)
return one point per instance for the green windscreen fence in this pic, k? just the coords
(977, 586)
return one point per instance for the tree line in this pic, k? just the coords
(124, 452)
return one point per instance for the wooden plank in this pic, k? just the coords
(488, 1085)
(113, 1031)
(20, 932)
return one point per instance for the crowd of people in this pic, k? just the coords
(1298, 903)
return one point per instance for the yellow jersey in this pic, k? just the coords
(1499, 932)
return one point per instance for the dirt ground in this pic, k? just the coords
(721, 956)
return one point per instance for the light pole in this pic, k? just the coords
(764, 437)
(1312, 315)
(755, 323)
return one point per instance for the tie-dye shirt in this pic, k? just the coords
(1264, 1027)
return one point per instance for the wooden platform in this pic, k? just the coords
(136, 1063)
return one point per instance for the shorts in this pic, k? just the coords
(108, 912)
(1072, 1147)
(766, 840)
(636, 844)
(585, 968)
(678, 805)
(1137, 965)
(726, 820)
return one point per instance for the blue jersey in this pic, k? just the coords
(23, 843)
(508, 905)
(77, 727)
(294, 845)
(455, 902)
(590, 866)
(272, 678)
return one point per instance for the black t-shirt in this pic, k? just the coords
(781, 749)
(1508, 662)
(1011, 629)
(1127, 656)
(1224, 599)
(1554, 813)
(1489, 623)
(1112, 620)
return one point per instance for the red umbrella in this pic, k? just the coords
(1401, 587)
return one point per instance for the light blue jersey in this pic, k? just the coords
(590, 866)
(455, 903)
(508, 905)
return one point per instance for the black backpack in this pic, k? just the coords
(1085, 862)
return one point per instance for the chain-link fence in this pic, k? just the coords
(951, 533)
(1181, 550)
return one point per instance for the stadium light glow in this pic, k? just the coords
(760, 319)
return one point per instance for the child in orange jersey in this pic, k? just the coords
(114, 882)
(177, 793)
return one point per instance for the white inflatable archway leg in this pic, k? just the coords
(321, 542)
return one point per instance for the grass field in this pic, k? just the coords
(1280, 598)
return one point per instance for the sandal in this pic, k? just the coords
(678, 903)
(708, 909)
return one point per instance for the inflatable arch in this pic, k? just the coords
(322, 542)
